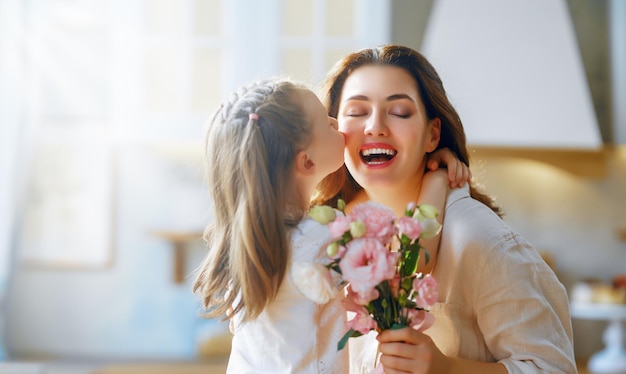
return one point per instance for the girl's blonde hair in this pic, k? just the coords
(251, 146)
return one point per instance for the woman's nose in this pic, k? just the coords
(375, 125)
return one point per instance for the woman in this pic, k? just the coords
(501, 309)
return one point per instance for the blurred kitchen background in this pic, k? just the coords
(103, 106)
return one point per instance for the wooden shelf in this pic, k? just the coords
(583, 163)
(621, 234)
(180, 241)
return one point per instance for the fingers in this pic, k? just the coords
(397, 365)
(402, 358)
(404, 351)
(458, 172)
(432, 164)
(454, 176)
(405, 334)
(439, 157)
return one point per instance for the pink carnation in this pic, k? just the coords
(378, 220)
(420, 320)
(426, 291)
(353, 303)
(410, 227)
(362, 322)
(366, 263)
(339, 226)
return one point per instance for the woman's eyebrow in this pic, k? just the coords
(390, 98)
(400, 97)
(357, 97)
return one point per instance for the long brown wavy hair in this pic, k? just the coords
(430, 87)
(251, 147)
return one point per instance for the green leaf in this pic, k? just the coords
(411, 260)
(335, 267)
(350, 334)
(402, 298)
(407, 283)
(346, 237)
(397, 326)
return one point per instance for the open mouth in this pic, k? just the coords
(377, 156)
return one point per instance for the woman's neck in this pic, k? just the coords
(395, 198)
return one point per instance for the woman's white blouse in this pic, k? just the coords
(498, 300)
(293, 334)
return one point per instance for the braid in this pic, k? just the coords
(246, 100)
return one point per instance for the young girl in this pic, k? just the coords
(268, 147)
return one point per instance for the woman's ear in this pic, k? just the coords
(434, 131)
(304, 165)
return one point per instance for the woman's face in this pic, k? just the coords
(386, 128)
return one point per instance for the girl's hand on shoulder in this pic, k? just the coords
(458, 172)
(409, 351)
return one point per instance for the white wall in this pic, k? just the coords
(574, 218)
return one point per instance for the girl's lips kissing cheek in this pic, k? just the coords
(377, 155)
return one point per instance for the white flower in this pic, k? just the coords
(430, 228)
(426, 214)
(425, 211)
(314, 281)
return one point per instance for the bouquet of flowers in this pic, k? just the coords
(384, 289)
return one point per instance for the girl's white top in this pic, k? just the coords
(294, 334)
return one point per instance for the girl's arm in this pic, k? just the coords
(434, 191)
(444, 169)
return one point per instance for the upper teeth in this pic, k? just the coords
(378, 151)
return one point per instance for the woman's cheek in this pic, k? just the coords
(346, 123)
(345, 138)
(350, 139)
(349, 128)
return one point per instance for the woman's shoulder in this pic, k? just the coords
(472, 216)
(473, 228)
(460, 202)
